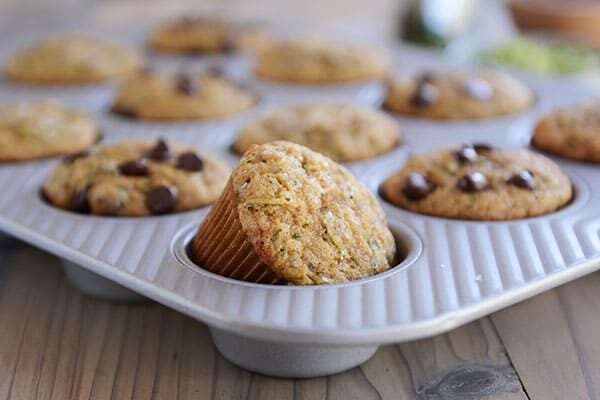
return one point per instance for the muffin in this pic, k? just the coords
(571, 132)
(478, 182)
(341, 132)
(152, 96)
(320, 62)
(135, 178)
(459, 95)
(206, 34)
(289, 215)
(71, 60)
(43, 129)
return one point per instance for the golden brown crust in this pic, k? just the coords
(71, 60)
(341, 132)
(319, 62)
(308, 218)
(453, 100)
(159, 97)
(41, 130)
(500, 200)
(197, 35)
(571, 132)
(108, 190)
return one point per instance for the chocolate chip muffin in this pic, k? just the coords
(68, 60)
(43, 129)
(153, 96)
(292, 216)
(571, 132)
(208, 34)
(136, 179)
(478, 182)
(341, 132)
(320, 62)
(458, 95)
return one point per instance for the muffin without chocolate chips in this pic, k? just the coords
(290, 215)
(136, 179)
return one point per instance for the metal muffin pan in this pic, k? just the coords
(454, 271)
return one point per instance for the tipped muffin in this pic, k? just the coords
(459, 95)
(341, 132)
(478, 182)
(571, 132)
(208, 34)
(71, 60)
(292, 216)
(43, 129)
(135, 178)
(320, 62)
(152, 96)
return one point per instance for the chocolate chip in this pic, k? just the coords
(124, 112)
(161, 200)
(186, 85)
(473, 182)
(159, 152)
(478, 89)
(80, 203)
(417, 187)
(428, 77)
(466, 155)
(134, 168)
(425, 95)
(190, 162)
(523, 180)
(68, 159)
(482, 147)
(229, 44)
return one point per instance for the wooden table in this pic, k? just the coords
(56, 343)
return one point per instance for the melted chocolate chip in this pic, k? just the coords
(482, 147)
(229, 44)
(80, 203)
(473, 182)
(417, 187)
(186, 85)
(425, 95)
(478, 89)
(466, 155)
(190, 162)
(68, 159)
(124, 112)
(161, 200)
(159, 152)
(523, 180)
(428, 77)
(134, 168)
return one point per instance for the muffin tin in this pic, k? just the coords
(453, 271)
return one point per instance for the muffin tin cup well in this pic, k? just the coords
(464, 270)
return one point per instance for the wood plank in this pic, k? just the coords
(552, 340)
(469, 362)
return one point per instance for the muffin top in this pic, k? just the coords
(134, 178)
(308, 218)
(341, 132)
(320, 62)
(153, 96)
(479, 182)
(43, 129)
(71, 60)
(208, 34)
(458, 95)
(572, 132)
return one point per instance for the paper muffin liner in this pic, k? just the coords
(222, 247)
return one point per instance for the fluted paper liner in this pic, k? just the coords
(222, 247)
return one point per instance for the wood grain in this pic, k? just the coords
(58, 344)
